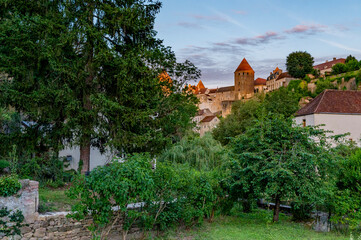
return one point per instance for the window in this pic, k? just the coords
(304, 122)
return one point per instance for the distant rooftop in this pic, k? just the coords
(329, 64)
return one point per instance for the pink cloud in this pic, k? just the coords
(307, 29)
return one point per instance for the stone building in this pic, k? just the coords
(278, 79)
(207, 124)
(218, 101)
(260, 85)
(326, 67)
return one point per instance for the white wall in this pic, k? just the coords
(310, 120)
(96, 158)
(338, 123)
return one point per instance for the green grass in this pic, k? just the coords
(52, 200)
(253, 226)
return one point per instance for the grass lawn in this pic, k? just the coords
(253, 226)
(52, 200)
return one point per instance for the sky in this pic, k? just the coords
(216, 35)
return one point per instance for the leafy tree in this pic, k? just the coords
(339, 68)
(90, 73)
(350, 58)
(346, 200)
(202, 153)
(242, 116)
(280, 102)
(352, 65)
(299, 64)
(279, 161)
(114, 186)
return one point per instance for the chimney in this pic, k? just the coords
(334, 59)
(326, 60)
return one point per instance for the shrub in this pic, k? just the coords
(9, 185)
(346, 201)
(3, 164)
(352, 65)
(339, 68)
(48, 170)
(107, 191)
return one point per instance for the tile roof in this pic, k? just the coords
(284, 75)
(260, 81)
(329, 64)
(208, 118)
(244, 66)
(334, 101)
(225, 89)
(213, 90)
(200, 85)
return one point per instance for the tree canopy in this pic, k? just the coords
(281, 102)
(91, 73)
(299, 64)
(278, 161)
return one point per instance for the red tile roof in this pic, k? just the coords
(260, 81)
(334, 101)
(208, 118)
(200, 85)
(225, 89)
(329, 64)
(284, 75)
(244, 66)
(213, 90)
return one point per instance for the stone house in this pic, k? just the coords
(278, 79)
(339, 111)
(260, 85)
(207, 124)
(326, 67)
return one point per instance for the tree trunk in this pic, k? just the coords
(276, 210)
(86, 138)
(85, 157)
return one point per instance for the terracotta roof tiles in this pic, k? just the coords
(244, 66)
(334, 101)
(260, 81)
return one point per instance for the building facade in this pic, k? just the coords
(339, 111)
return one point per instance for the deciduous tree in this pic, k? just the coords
(299, 64)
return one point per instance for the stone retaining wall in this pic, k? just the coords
(58, 226)
(26, 200)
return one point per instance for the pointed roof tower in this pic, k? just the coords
(244, 66)
(200, 85)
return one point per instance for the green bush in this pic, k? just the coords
(352, 65)
(339, 68)
(48, 170)
(346, 200)
(3, 164)
(9, 185)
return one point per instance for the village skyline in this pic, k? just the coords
(216, 36)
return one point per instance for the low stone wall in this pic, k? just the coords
(26, 200)
(51, 225)
(58, 226)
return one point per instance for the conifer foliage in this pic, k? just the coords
(87, 73)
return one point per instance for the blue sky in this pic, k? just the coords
(216, 35)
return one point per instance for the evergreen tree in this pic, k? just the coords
(92, 73)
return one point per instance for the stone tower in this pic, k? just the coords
(244, 81)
